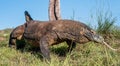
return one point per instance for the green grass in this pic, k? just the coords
(105, 23)
(89, 54)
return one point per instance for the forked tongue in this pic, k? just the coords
(110, 46)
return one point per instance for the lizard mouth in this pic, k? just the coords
(98, 38)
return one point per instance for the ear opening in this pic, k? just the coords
(27, 16)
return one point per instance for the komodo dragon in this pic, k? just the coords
(47, 33)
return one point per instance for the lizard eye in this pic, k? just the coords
(93, 31)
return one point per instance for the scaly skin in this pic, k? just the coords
(44, 34)
(48, 33)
